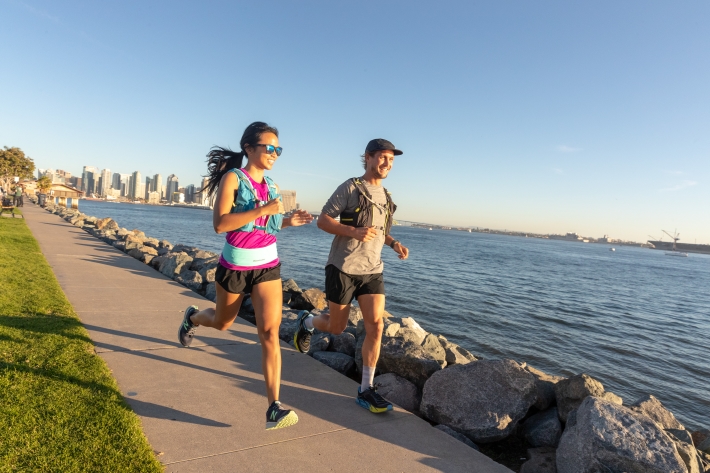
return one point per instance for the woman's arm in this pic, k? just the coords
(225, 221)
(298, 218)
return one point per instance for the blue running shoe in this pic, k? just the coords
(302, 337)
(278, 418)
(187, 328)
(371, 400)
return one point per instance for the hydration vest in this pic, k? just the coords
(362, 216)
(247, 199)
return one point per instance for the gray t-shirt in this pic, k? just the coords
(349, 255)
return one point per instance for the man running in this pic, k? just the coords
(354, 268)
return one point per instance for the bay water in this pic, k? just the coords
(635, 319)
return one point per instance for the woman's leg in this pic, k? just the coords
(268, 299)
(223, 315)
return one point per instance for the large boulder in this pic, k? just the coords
(338, 361)
(309, 299)
(290, 286)
(399, 391)
(143, 253)
(191, 279)
(460, 437)
(201, 263)
(152, 242)
(174, 264)
(119, 245)
(484, 400)
(319, 342)
(699, 437)
(157, 261)
(354, 316)
(211, 292)
(208, 273)
(651, 407)
(543, 429)
(405, 359)
(572, 391)
(433, 347)
(165, 244)
(343, 343)
(133, 242)
(684, 445)
(540, 460)
(604, 436)
(106, 224)
(455, 355)
(545, 387)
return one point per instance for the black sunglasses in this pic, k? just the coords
(271, 148)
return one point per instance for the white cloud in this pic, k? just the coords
(568, 149)
(682, 185)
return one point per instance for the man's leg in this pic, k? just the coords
(335, 320)
(373, 308)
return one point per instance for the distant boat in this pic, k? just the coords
(674, 251)
(429, 228)
(612, 249)
(469, 230)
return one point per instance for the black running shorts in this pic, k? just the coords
(342, 288)
(242, 282)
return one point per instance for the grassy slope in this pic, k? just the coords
(60, 408)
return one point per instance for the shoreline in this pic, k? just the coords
(416, 364)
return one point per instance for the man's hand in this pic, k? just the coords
(365, 234)
(274, 207)
(401, 250)
(301, 217)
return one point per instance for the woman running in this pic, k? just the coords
(249, 209)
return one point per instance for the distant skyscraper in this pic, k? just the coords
(89, 176)
(190, 193)
(289, 200)
(172, 186)
(134, 186)
(105, 182)
(116, 181)
(202, 197)
(156, 185)
(125, 184)
(148, 186)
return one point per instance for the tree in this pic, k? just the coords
(44, 183)
(14, 163)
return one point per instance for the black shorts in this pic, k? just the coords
(342, 288)
(241, 282)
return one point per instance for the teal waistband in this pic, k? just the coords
(249, 256)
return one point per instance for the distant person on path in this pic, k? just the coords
(18, 196)
(354, 268)
(248, 207)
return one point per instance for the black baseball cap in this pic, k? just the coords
(380, 144)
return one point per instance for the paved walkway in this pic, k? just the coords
(203, 408)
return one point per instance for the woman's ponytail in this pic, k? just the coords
(219, 162)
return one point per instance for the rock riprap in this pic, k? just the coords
(604, 436)
(484, 399)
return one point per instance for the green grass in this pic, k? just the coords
(60, 408)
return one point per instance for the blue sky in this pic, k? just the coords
(590, 117)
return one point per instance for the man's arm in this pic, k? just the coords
(399, 248)
(330, 225)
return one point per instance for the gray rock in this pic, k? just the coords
(190, 250)
(319, 342)
(174, 265)
(351, 330)
(399, 391)
(343, 343)
(136, 253)
(191, 279)
(411, 335)
(137, 233)
(704, 446)
(120, 245)
(152, 242)
(455, 355)
(543, 429)
(483, 400)
(609, 437)
(287, 329)
(651, 407)
(211, 292)
(407, 360)
(433, 347)
(684, 445)
(133, 242)
(460, 437)
(290, 286)
(572, 391)
(309, 299)
(338, 361)
(157, 261)
(122, 232)
(540, 460)
(545, 387)
(208, 272)
(165, 244)
(106, 224)
(391, 330)
(204, 255)
(163, 251)
(611, 397)
(354, 316)
(699, 436)
(200, 263)
(109, 239)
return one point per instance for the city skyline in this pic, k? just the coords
(545, 118)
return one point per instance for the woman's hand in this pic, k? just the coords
(274, 207)
(298, 218)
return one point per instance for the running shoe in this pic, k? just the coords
(371, 400)
(302, 337)
(278, 418)
(187, 328)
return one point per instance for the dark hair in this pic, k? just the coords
(221, 160)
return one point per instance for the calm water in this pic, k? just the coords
(635, 319)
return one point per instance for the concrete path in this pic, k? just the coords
(203, 408)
